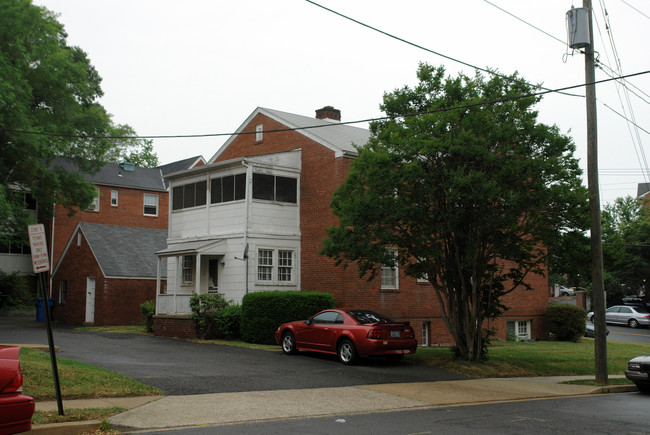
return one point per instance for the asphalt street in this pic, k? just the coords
(182, 367)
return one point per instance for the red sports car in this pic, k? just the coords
(16, 409)
(348, 334)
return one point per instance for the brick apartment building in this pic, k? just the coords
(91, 251)
(268, 234)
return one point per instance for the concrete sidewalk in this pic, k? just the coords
(227, 408)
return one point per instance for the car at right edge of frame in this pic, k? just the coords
(638, 371)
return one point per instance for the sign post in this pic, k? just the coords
(41, 264)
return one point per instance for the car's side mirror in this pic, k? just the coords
(308, 322)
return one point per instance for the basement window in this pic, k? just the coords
(518, 330)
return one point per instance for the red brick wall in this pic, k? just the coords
(416, 302)
(174, 326)
(129, 213)
(117, 301)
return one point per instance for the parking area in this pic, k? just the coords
(181, 367)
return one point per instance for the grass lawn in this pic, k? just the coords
(77, 380)
(540, 358)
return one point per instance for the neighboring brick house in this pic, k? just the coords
(263, 238)
(127, 196)
(105, 272)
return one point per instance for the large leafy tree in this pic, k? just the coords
(626, 248)
(51, 90)
(466, 192)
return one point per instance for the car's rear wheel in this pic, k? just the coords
(633, 323)
(289, 344)
(347, 352)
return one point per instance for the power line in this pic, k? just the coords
(525, 22)
(390, 35)
(479, 68)
(636, 9)
(381, 118)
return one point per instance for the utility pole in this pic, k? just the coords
(597, 286)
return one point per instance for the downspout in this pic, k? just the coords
(157, 283)
(52, 251)
(249, 181)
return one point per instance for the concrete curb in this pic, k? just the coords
(68, 428)
(612, 389)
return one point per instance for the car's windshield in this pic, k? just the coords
(366, 317)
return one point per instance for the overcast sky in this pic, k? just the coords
(202, 66)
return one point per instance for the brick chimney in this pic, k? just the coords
(328, 112)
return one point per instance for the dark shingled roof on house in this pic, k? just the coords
(120, 175)
(125, 251)
(180, 165)
(642, 189)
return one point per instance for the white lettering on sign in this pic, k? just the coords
(38, 245)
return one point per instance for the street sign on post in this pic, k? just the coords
(38, 246)
(41, 264)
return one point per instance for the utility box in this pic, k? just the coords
(577, 20)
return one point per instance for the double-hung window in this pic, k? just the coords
(265, 265)
(389, 272)
(150, 204)
(94, 206)
(188, 269)
(275, 266)
(285, 266)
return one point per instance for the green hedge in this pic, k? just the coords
(263, 312)
(148, 309)
(566, 322)
(228, 321)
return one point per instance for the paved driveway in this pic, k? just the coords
(180, 367)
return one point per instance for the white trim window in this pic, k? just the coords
(426, 330)
(285, 266)
(390, 273)
(188, 269)
(259, 132)
(94, 206)
(114, 196)
(150, 202)
(275, 266)
(265, 265)
(518, 330)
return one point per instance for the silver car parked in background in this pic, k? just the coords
(625, 315)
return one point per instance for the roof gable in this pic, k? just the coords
(124, 252)
(340, 138)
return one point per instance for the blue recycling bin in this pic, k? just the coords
(40, 312)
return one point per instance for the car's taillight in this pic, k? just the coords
(374, 333)
(15, 386)
(409, 333)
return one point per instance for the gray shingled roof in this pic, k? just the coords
(112, 174)
(125, 251)
(180, 165)
(338, 137)
(642, 189)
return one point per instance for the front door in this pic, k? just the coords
(213, 279)
(90, 300)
